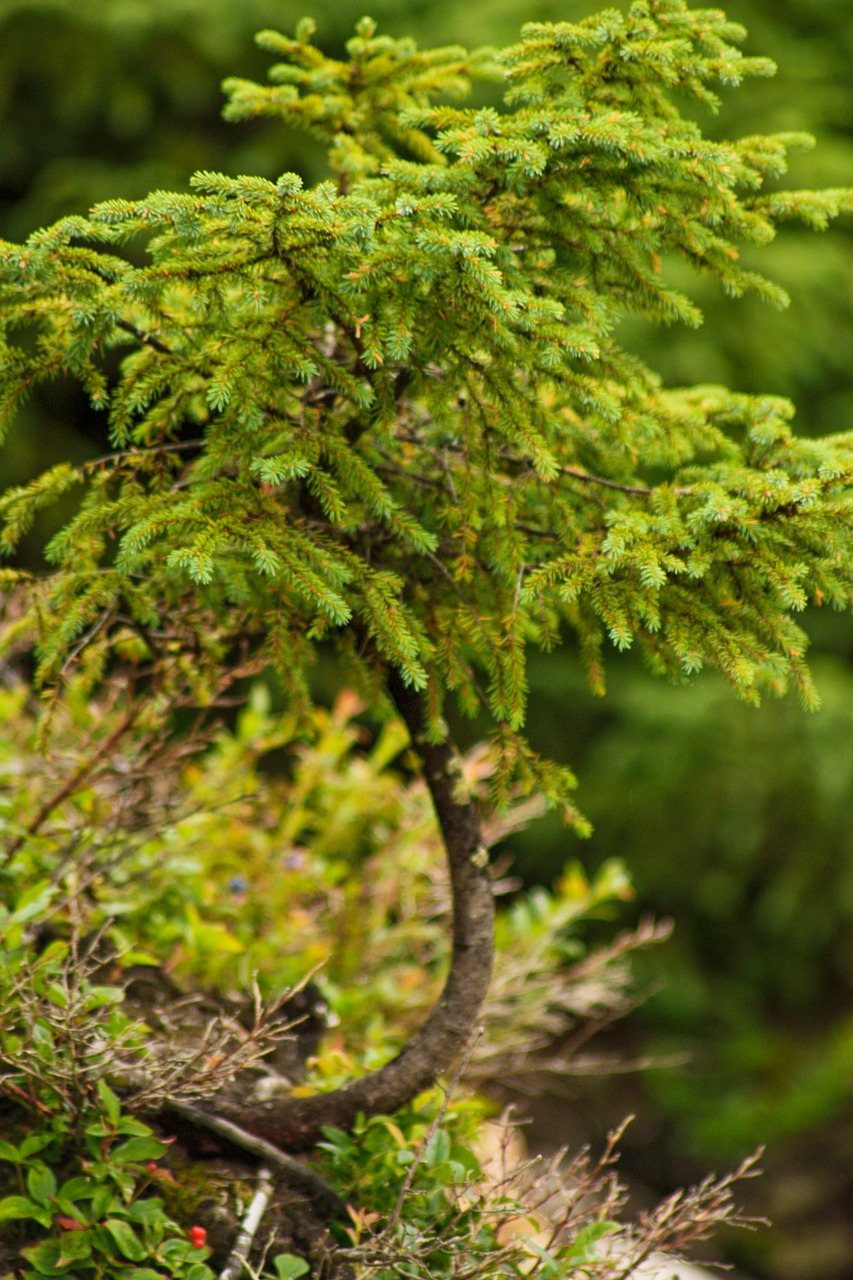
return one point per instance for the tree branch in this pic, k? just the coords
(297, 1123)
(638, 490)
(148, 338)
(306, 1179)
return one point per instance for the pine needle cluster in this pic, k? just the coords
(392, 411)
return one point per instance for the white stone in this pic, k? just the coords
(662, 1268)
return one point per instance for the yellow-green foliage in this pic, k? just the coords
(394, 408)
(332, 860)
(236, 872)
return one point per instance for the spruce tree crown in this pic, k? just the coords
(392, 410)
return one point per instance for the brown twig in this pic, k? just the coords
(147, 338)
(637, 490)
(71, 783)
(305, 1178)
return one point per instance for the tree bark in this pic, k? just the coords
(296, 1123)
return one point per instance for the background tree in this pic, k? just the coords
(419, 436)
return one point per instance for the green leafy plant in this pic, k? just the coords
(174, 888)
(97, 1220)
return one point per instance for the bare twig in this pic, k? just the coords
(87, 638)
(636, 490)
(138, 452)
(242, 1245)
(72, 782)
(147, 338)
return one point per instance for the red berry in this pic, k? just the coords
(198, 1236)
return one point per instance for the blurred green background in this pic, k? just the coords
(738, 824)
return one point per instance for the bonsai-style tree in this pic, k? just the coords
(390, 416)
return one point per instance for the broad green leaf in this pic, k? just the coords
(288, 1266)
(41, 1184)
(128, 1125)
(57, 995)
(35, 1142)
(22, 1207)
(136, 1149)
(33, 901)
(103, 1202)
(438, 1148)
(79, 1188)
(45, 1257)
(74, 1247)
(126, 1240)
(198, 1271)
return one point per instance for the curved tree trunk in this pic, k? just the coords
(296, 1123)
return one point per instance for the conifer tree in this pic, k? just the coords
(391, 415)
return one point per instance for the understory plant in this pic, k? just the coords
(233, 878)
(387, 422)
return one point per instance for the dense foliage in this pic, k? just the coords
(425, 349)
(229, 876)
(390, 414)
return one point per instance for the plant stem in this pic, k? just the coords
(297, 1123)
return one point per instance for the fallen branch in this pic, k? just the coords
(306, 1179)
